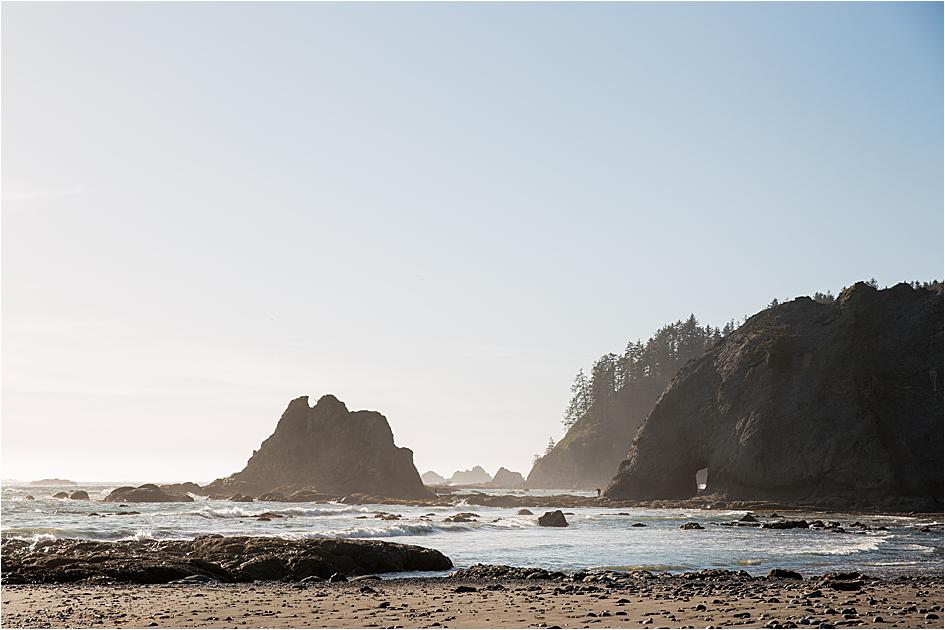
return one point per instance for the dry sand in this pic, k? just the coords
(670, 602)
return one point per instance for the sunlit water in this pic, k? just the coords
(596, 537)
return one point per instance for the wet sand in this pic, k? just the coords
(660, 602)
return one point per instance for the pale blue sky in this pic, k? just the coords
(437, 211)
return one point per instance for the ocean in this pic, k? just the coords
(596, 538)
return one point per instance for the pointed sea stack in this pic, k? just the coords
(331, 450)
(836, 405)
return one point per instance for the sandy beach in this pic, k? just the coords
(660, 601)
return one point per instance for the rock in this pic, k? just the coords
(748, 518)
(188, 487)
(337, 577)
(462, 517)
(465, 589)
(786, 525)
(224, 559)
(806, 404)
(61, 495)
(79, 495)
(846, 585)
(553, 519)
(473, 476)
(505, 478)
(329, 450)
(29, 497)
(785, 574)
(147, 493)
(431, 478)
(691, 526)
(638, 525)
(525, 512)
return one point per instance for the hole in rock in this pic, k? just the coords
(702, 478)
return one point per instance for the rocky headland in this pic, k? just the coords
(837, 405)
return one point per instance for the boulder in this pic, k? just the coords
(79, 495)
(147, 493)
(806, 404)
(553, 519)
(525, 512)
(218, 558)
(330, 451)
(29, 497)
(61, 495)
(691, 526)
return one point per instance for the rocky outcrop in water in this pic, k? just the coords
(217, 558)
(431, 478)
(505, 478)
(147, 493)
(471, 477)
(327, 450)
(837, 405)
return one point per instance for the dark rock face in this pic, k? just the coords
(147, 493)
(431, 478)
(225, 559)
(476, 475)
(505, 478)
(327, 450)
(553, 519)
(837, 405)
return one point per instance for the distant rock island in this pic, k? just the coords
(53, 482)
(473, 476)
(431, 478)
(505, 478)
(823, 404)
(327, 450)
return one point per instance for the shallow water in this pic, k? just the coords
(596, 537)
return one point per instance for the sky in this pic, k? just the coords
(436, 211)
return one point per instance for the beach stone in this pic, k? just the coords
(465, 589)
(691, 526)
(553, 519)
(785, 574)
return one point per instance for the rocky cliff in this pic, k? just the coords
(838, 405)
(331, 450)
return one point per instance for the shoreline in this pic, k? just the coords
(493, 597)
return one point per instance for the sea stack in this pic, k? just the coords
(331, 450)
(505, 478)
(836, 405)
(432, 478)
(473, 476)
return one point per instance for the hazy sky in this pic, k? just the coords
(436, 211)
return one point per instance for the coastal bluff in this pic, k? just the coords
(330, 450)
(836, 405)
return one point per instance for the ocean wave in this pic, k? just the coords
(861, 544)
(209, 511)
